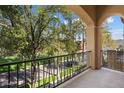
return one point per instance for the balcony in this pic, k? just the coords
(72, 70)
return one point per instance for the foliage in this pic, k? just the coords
(27, 34)
(107, 41)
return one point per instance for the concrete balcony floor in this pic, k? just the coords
(103, 78)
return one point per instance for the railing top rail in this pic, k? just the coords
(112, 50)
(38, 59)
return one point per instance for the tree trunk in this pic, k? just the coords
(34, 71)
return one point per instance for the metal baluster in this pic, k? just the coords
(57, 70)
(67, 68)
(38, 74)
(31, 75)
(116, 59)
(123, 61)
(43, 74)
(64, 68)
(54, 76)
(49, 71)
(72, 65)
(61, 68)
(107, 59)
(17, 74)
(9, 76)
(25, 73)
(47, 74)
(82, 60)
(119, 60)
(77, 64)
(80, 63)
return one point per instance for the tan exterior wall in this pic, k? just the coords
(82, 13)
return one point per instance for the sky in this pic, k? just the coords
(115, 27)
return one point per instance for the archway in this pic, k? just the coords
(112, 42)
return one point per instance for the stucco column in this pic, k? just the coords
(90, 36)
(94, 44)
(98, 47)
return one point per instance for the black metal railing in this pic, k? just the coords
(113, 59)
(45, 72)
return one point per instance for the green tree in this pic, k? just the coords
(34, 26)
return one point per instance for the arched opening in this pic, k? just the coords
(113, 42)
(90, 31)
(50, 38)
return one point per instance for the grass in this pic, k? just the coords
(8, 59)
(71, 70)
(5, 69)
(13, 67)
(42, 82)
(53, 78)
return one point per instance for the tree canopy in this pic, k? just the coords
(29, 32)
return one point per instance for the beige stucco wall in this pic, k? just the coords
(82, 13)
